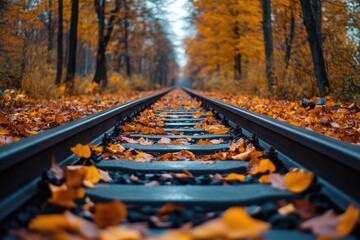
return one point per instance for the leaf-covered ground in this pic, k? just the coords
(322, 115)
(78, 217)
(22, 116)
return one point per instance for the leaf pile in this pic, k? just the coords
(341, 121)
(22, 116)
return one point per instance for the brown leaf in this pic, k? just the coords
(144, 157)
(304, 208)
(56, 170)
(164, 141)
(3, 118)
(74, 176)
(119, 233)
(104, 175)
(145, 142)
(277, 181)
(108, 214)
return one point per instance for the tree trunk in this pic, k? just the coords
(289, 39)
(59, 45)
(237, 67)
(126, 39)
(316, 6)
(315, 46)
(268, 41)
(71, 69)
(100, 76)
(50, 29)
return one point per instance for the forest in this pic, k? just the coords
(285, 49)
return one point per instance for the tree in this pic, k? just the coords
(59, 44)
(104, 35)
(71, 68)
(268, 42)
(315, 46)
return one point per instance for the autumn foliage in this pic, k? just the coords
(227, 49)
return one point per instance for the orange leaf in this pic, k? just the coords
(265, 165)
(235, 223)
(107, 214)
(348, 220)
(119, 233)
(298, 181)
(62, 196)
(264, 179)
(235, 177)
(74, 176)
(81, 151)
(92, 174)
(204, 142)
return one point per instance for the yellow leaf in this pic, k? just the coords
(81, 151)
(264, 179)
(265, 165)
(116, 148)
(235, 177)
(49, 223)
(92, 174)
(298, 181)
(235, 223)
(348, 220)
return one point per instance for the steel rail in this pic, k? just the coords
(22, 162)
(334, 161)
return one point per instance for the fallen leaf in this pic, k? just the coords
(116, 148)
(264, 179)
(184, 155)
(235, 177)
(144, 157)
(348, 221)
(145, 142)
(204, 142)
(264, 166)
(62, 196)
(287, 209)
(56, 170)
(298, 181)
(3, 118)
(277, 181)
(304, 208)
(119, 233)
(164, 141)
(104, 175)
(217, 141)
(235, 223)
(74, 176)
(108, 214)
(81, 151)
(92, 174)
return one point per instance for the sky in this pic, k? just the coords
(176, 13)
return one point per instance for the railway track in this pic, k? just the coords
(185, 158)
